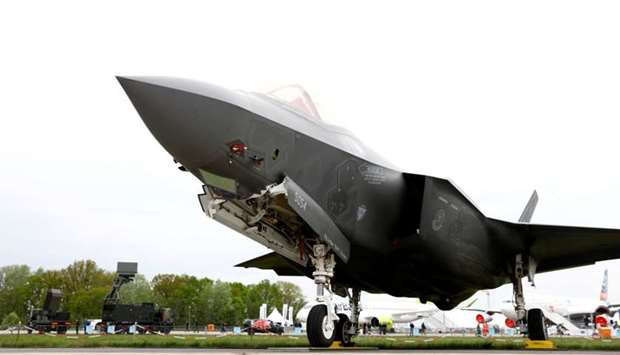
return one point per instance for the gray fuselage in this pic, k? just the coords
(410, 235)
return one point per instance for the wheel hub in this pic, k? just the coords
(327, 327)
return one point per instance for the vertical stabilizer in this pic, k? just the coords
(528, 212)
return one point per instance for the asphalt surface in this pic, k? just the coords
(288, 351)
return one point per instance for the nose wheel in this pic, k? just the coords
(321, 331)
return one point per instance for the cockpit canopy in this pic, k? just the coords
(295, 97)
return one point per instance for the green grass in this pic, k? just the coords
(150, 341)
(262, 342)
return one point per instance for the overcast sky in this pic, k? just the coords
(500, 97)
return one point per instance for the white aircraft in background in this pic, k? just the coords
(582, 313)
(388, 313)
(376, 314)
(378, 310)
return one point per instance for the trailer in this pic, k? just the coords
(49, 318)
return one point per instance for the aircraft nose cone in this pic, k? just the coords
(171, 115)
(197, 123)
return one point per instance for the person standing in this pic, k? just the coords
(411, 328)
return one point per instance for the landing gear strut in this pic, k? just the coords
(532, 321)
(517, 290)
(322, 319)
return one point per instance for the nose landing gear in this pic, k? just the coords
(324, 325)
(322, 319)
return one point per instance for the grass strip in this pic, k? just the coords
(263, 342)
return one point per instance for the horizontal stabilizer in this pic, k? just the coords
(528, 212)
(273, 261)
(561, 247)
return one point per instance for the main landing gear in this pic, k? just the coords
(324, 325)
(531, 321)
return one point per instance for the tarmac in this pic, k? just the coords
(116, 351)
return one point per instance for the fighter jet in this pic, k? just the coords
(334, 211)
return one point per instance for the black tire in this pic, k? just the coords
(536, 329)
(342, 327)
(314, 327)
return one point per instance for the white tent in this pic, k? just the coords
(276, 317)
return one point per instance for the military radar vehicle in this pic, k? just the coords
(146, 316)
(49, 318)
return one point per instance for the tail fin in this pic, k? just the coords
(528, 212)
(604, 288)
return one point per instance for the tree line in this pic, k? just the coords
(195, 301)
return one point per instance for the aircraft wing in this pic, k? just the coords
(562, 247)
